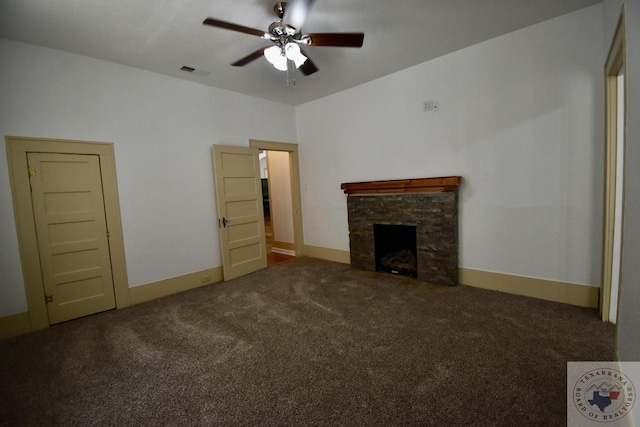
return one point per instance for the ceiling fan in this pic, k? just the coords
(287, 37)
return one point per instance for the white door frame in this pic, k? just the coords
(614, 66)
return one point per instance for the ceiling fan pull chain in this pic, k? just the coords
(290, 81)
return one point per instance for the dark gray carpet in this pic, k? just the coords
(306, 342)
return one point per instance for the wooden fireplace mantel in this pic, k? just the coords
(418, 185)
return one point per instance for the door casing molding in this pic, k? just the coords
(17, 149)
(615, 63)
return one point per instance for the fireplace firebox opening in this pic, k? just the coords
(395, 249)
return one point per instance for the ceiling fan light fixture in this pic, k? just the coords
(275, 56)
(278, 56)
(292, 51)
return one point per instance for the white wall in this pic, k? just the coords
(629, 312)
(520, 120)
(280, 196)
(162, 128)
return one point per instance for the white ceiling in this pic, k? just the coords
(163, 35)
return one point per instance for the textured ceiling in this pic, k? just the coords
(163, 35)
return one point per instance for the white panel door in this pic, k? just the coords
(68, 207)
(240, 210)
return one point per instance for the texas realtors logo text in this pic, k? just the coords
(604, 395)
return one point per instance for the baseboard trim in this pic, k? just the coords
(14, 325)
(283, 245)
(283, 251)
(550, 290)
(329, 254)
(173, 285)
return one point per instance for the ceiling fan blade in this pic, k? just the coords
(233, 27)
(308, 67)
(337, 39)
(251, 57)
(296, 13)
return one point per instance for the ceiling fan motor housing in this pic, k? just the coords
(283, 34)
(277, 29)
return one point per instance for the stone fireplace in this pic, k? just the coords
(407, 227)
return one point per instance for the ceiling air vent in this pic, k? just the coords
(195, 71)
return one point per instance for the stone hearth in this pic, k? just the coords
(429, 204)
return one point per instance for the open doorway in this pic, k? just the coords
(277, 205)
(281, 200)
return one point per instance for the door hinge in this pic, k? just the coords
(48, 298)
(32, 171)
